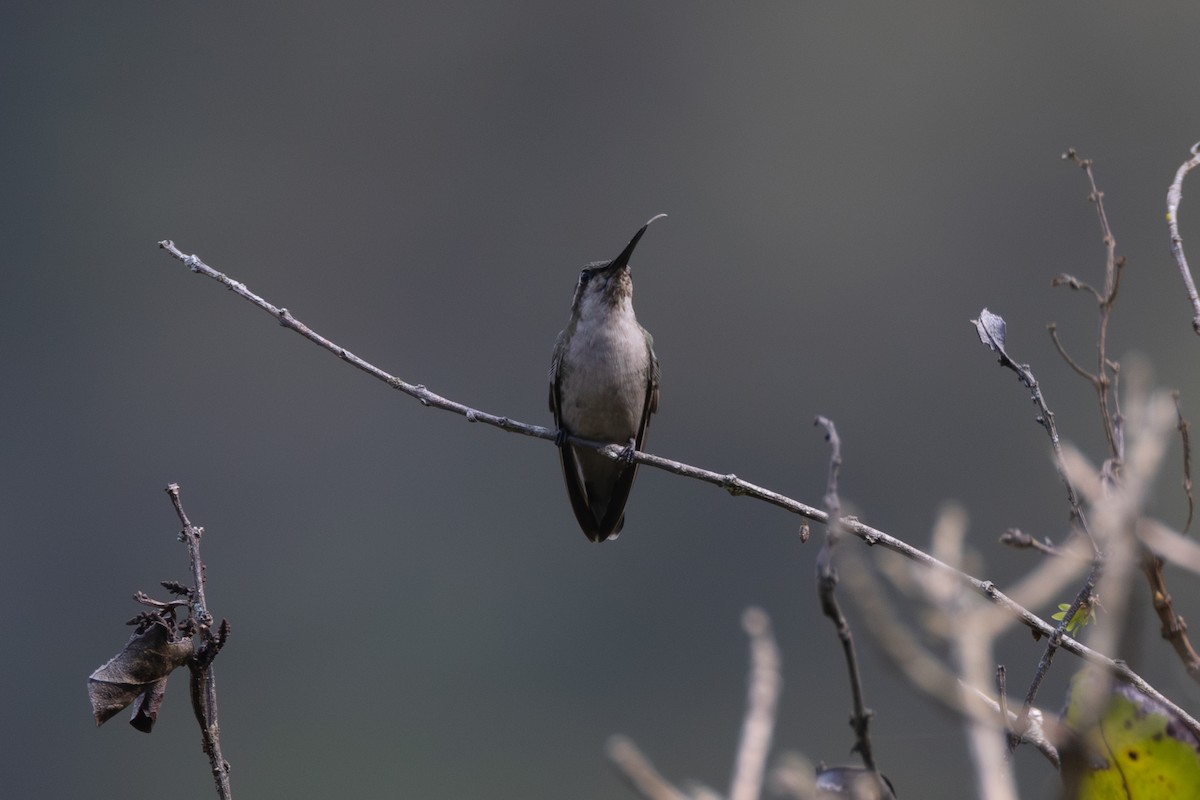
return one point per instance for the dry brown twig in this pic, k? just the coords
(1104, 382)
(161, 643)
(204, 681)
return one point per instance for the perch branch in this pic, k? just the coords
(729, 482)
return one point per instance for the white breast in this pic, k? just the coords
(608, 377)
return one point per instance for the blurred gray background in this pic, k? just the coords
(415, 613)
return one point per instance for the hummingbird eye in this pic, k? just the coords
(584, 277)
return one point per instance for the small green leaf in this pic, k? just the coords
(1082, 617)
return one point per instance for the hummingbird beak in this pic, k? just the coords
(623, 259)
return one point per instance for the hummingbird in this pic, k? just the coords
(604, 387)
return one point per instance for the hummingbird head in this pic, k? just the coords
(604, 285)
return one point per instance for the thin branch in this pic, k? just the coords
(919, 666)
(1002, 706)
(1062, 351)
(827, 580)
(1086, 594)
(1018, 539)
(992, 332)
(1184, 428)
(1181, 551)
(895, 639)
(1035, 732)
(729, 482)
(190, 535)
(1174, 197)
(1071, 282)
(1117, 510)
(204, 684)
(761, 702)
(1102, 384)
(639, 773)
(1173, 629)
(1113, 265)
(1112, 275)
(833, 505)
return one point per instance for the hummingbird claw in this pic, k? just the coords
(626, 454)
(560, 437)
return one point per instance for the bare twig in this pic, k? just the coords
(729, 482)
(827, 580)
(1052, 328)
(761, 702)
(639, 773)
(833, 505)
(1183, 551)
(1035, 732)
(1184, 428)
(1086, 594)
(1174, 197)
(1113, 265)
(897, 641)
(1172, 628)
(1002, 705)
(924, 670)
(1117, 510)
(1018, 539)
(204, 684)
(992, 331)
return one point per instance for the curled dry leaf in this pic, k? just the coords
(141, 669)
(991, 330)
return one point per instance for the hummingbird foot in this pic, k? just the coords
(626, 454)
(560, 437)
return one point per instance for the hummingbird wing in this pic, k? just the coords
(572, 473)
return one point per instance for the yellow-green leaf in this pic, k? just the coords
(1082, 617)
(1141, 750)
